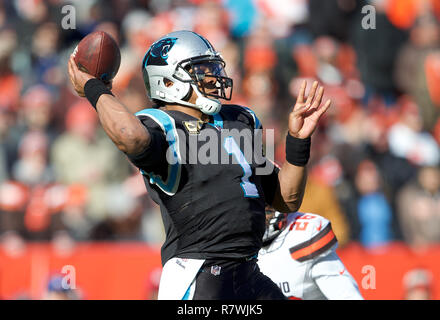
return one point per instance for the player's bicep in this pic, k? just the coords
(154, 155)
(122, 127)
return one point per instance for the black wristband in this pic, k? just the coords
(297, 150)
(93, 89)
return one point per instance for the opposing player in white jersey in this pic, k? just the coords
(299, 255)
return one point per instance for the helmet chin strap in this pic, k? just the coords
(206, 105)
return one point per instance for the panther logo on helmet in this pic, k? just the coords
(158, 54)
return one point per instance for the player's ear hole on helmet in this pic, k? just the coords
(167, 82)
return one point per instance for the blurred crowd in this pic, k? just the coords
(374, 168)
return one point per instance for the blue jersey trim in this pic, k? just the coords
(186, 295)
(218, 120)
(168, 126)
(257, 123)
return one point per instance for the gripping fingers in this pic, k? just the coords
(73, 71)
(71, 74)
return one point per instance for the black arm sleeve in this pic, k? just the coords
(153, 158)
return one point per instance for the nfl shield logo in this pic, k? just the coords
(215, 270)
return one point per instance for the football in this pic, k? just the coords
(98, 54)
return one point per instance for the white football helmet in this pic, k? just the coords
(191, 63)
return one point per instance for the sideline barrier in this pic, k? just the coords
(123, 270)
(389, 263)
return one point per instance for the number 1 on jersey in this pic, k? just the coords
(250, 189)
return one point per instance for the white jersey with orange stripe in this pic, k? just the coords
(303, 262)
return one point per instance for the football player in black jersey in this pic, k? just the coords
(211, 192)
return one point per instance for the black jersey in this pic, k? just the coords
(211, 209)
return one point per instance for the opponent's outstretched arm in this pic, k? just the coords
(123, 128)
(303, 120)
